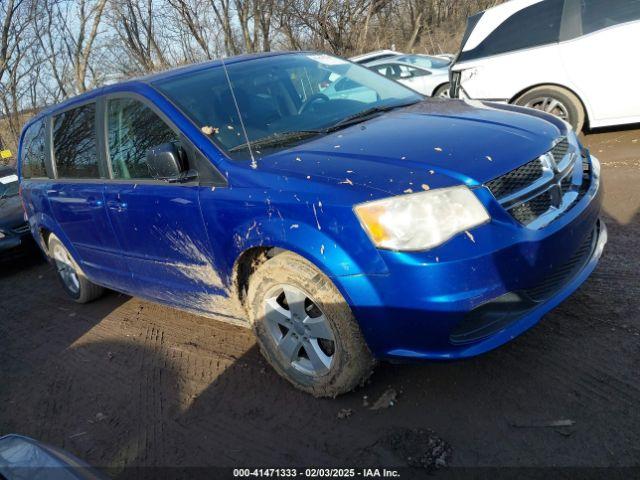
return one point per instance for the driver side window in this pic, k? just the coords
(133, 129)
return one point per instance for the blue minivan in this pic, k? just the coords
(349, 227)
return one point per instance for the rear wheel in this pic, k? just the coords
(305, 328)
(73, 281)
(557, 101)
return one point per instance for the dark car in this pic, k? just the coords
(14, 229)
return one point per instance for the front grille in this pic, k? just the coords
(541, 187)
(527, 212)
(516, 180)
(560, 149)
(561, 275)
(586, 170)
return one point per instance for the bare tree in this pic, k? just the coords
(53, 49)
(263, 13)
(68, 32)
(193, 19)
(222, 10)
(17, 59)
(134, 21)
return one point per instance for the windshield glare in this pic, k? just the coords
(277, 95)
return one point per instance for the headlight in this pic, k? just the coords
(420, 221)
(2, 235)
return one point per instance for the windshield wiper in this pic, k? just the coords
(277, 139)
(283, 138)
(363, 115)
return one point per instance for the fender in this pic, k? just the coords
(325, 253)
(317, 246)
(43, 220)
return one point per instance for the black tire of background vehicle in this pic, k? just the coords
(88, 291)
(352, 363)
(567, 98)
(442, 88)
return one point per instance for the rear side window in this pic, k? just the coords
(33, 151)
(133, 129)
(599, 14)
(386, 70)
(536, 25)
(74, 143)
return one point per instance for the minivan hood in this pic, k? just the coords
(455, 141)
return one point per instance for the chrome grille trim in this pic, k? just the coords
(548, 194)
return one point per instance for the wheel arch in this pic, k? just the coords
(317, 247)
(245, 265)
(45, 225)
(585, 107)
(437, 87)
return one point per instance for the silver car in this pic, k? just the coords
(433, 82)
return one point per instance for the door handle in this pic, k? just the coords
(94, 202)
(116, 205)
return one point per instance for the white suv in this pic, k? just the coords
(576, 59)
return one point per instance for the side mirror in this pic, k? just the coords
(165, 161)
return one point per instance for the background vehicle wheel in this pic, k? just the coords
(442, 91)
(557, 101)
(305, 328)
(75, 284)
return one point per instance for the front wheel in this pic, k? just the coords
(557, 101)
(73, 281)
(305, 328)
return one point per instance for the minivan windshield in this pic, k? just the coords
(284, 99)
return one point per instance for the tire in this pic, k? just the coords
(73, 281)
(555, 100)
(442, 91)
(288, 276)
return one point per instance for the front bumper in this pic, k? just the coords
(480, 291)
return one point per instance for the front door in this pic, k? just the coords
(159, 224)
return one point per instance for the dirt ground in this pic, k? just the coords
(123, 382)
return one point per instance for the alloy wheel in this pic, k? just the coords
(300, 330)
(65, 268)
(445, 93)
(550, 105)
